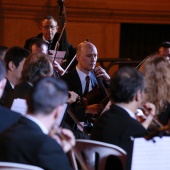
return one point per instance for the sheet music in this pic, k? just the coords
(59, 57)
(19, 105)
(151, 155)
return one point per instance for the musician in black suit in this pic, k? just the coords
(31, 140)
(14, 59)
(49, 33)
(77, 82)
(119, 125)
(7, 117)
(36, 66)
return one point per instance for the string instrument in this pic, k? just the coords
(55, 131)
(62, 20)
(155, 126)
(99, 95)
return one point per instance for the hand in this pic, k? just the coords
(100, 72)
(65, 138)
(94, 109)
(58, 67)
(150, 109)
(73, 97)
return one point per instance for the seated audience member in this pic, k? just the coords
(156, 70)
(14, 59)
(29, 141)
(3, 50)
(118, 125)
(7, 117)
(36, 66)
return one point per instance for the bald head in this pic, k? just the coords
(86, 56)
(84, 46)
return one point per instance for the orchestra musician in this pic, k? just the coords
(76, 80)
(119, 125)
(30, 142)
(49, 33)
(156, 70)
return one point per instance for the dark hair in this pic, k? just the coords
(2, 69)
(36, 66)
(48, 17)
(125, 83)
(16, 55)
(165, 44)
(46, 95)
(38, 42)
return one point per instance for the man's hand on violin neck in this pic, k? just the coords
(100, 72)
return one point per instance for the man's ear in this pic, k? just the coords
(138, 96)
(56, 28)
(11, 66)
(77, 57)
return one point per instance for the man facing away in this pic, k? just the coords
(29, 141)
(119, 125)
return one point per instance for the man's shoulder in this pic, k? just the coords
(5, 112)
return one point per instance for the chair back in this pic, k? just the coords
(96, 154)
(17, 166)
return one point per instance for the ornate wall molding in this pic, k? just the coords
(84, 14)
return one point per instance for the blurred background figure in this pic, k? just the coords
(38, 45)
(164, 49)
(156, 70)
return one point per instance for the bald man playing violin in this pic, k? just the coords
(76, 79)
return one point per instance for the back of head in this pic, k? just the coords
(38, 42)
(36, 66)
(125, 83)
(16, 55)
(156, 70)
(2, 70)
(46, 95)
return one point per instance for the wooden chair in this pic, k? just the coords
(17, 166)
(96, 154)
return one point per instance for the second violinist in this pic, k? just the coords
(81, 80)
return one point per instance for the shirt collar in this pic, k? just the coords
(81, 74)
(131, 114)
(41, 125)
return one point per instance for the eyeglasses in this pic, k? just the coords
(49, 27)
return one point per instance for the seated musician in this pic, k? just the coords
(77, 82)
(119, 124)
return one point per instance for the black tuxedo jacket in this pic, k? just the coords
(74, 84)
(70, 50)
(115, 126)
(20, 91)
(7, 90)
(26, 143)
(7, 118)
